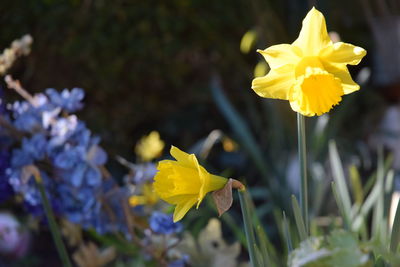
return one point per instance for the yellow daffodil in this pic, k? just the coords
(148, 197)
(312, 71)
(149, 147)
(184, 182)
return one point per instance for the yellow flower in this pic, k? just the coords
(184, 182)
(311, 72)
(149, 147)
(148, 197)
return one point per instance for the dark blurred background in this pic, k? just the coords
(146, 65)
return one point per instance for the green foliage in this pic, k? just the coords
(340, 248)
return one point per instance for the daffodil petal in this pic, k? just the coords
(343, 53)
(341, 72)
(280, 55)
(183, 207)
(313, 35)
(176, 199)
(276, 84)
(186, 159)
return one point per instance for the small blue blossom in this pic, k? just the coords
(162, 223)
(143, 173)
(71, 101)
(28, 122)
(35, 147)
(20, 158)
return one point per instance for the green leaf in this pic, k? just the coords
(340, 180)
(248, 228)
(356, 185)
(340, 204)
(299, 219)
(310, 254)
(263, 243)
(286, 232)
(395, 236)
(339, 249)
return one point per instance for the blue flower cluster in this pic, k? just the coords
(141, 173)
(162, 223)
(68, 155)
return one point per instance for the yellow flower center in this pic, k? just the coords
(316, 91)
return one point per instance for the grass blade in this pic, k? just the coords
(248, 228)
(263, 242)
(395, 236)
(286, 232)
(356, 185)
(339, 202)
(54, 229)
(340, 180)
(299, 219)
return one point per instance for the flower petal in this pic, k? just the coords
(276, 84)
(182, 208)
(341, 72)
(313, 35)
(280, 55)
(188, 160)
(343, 53)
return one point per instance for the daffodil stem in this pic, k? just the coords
(248, 227)
(301, 137)
(55, 232)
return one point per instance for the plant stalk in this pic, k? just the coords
(302, 152)
(248, 227)
(62, 252)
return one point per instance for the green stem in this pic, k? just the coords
(301, 137)
(248, 227)
(53, 225)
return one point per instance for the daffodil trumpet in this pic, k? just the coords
(184, 182)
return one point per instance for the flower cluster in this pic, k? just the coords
(162, 223)
(68, 154)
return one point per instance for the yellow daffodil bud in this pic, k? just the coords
(184, 182)
(149, 147)
(148, 197)
(312, 71)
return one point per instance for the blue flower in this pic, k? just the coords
(20, 158)
(68, 100)
(143, 173)
(162, 223)
(28, 122)
(69, 157)
(35, 146)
